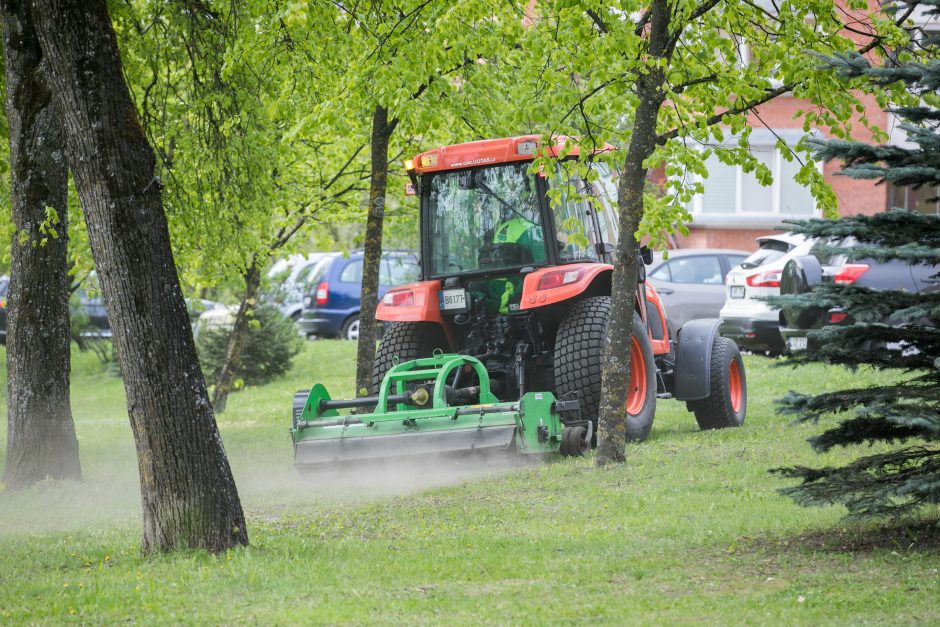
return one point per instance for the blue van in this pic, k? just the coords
(331, 307)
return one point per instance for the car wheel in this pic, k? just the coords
(350, 330)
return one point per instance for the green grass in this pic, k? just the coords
(691, 529)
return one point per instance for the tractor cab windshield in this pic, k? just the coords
(485, 219)
(490, 219)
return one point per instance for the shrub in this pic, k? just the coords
(271, 343)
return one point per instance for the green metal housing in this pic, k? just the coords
(425, 425)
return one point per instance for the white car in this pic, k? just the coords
(752, 323)
(290, 279)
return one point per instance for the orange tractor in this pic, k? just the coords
(513, 306)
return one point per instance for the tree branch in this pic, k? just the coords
(598, 21)
(747, 106)
(773, 93)
(699, 11)
(681, 87)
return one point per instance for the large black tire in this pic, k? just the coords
(726, 404)
(799, 276)
(579, 357)
(404, 341)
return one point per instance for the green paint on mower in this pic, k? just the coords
(417, 413)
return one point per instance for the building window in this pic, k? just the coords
(731, 194)
(925, 199)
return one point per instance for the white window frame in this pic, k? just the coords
(760, 139)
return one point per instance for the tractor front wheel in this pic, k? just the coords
(579, 358)
(404, 341)
(726, 404)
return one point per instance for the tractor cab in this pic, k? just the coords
(487, 226)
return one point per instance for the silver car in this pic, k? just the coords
(691, 282)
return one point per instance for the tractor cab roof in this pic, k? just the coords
(492, 152)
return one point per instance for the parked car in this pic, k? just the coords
(87, 310)
(290, 280)
(801, 273)
(691, 282)
(331, 307)
(746, 319)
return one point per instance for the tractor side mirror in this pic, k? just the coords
(646, 254)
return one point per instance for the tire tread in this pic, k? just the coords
(404, 341)
(716, 411)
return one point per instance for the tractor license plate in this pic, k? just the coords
(453, 300)
(737, 291)
(796, 343)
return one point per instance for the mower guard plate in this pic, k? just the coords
(349, 449)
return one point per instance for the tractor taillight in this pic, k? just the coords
(559, 278)
(399, 298)
(849, 273)
(765, 279)
(323, 293)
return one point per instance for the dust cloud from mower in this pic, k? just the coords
(110, 499)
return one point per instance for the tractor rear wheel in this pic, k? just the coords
(404, 341)
(579, 358)
(726, 404)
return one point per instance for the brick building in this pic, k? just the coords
(734, 209)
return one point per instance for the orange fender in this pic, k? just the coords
(660, 347)
(558, 284)
(412, 302)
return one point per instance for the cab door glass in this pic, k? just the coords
(400, 270)
(604, 193)
(572, 215)
(385, 276)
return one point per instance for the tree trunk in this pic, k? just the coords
(188, 494)
(615, 376)
(382, 130)
(41, 438)
(236, 339)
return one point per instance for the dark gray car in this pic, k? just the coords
(825, 266)
(691, 282)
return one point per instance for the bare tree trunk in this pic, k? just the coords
(188, 494)
(236, 339)
(41, 438)
(382, 130)
(615, 376)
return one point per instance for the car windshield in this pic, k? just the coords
(484, 219)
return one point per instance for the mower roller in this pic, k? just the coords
(423, 417)
(501, 343)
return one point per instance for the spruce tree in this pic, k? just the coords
(905, 411)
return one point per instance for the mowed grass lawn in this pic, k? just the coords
(690, 530)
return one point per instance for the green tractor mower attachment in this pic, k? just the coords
(421, 410)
